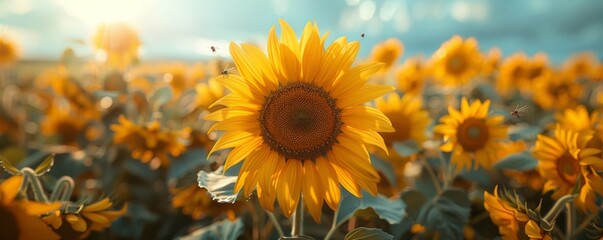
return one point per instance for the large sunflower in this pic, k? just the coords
(472, 135)
(457, 61)
(19, 219)
(561, 162)
(297, 118)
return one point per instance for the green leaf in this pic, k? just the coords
(162, 96)
(45, 166)
(8, 167)
(225, 230)
(406, 148)
(523, 161)
(386, 168)
(392, 210)
(220, 186)
(448, 213)
(363, 233)
(414, 200)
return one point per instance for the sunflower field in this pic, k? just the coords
(299, 136)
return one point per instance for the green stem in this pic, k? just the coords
(333, 226)
(433, 176)
(569, 220)
(298, 219)
(275, 223)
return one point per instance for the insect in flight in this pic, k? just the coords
(519, 110)
(227, 71)
(213, 49)
(362, 35)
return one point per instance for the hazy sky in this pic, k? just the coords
(185, 29)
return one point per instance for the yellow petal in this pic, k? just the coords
(329, 182)
(313, 191)
(289, 186)
(99, 206)
(10, 188)
(36, 208)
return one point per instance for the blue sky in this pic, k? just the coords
(184, 29)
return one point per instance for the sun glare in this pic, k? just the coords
(98, 11)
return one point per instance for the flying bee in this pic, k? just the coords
(362, 35)
(227, 71)
(518, 111)
(213, 49)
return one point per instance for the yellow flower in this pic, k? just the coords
(511, 72)
(197, 203)
(8, 52)
(209, 92)
(491, 61)
(118, 41)
(561, 162)
(180, 77)
(93, 217)
(508, 219)
(148, 142)
(578, 119)
(387, 52)
(457, 61)
(67, 87)
(411, 77)
(20, 218)
(582, 65)
(297, 118)
(407, 116)
(59, 122)
(472, 135)
(559, 91)
(535, 233)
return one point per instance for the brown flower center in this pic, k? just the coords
(568, 168)
(456, 64)
(473, 134)
(9, 228)
(300, 121)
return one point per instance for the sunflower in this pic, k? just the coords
(578, 119)
(582, 65)
(209, 92)
(8, 52)
(387, 52)
(149, 142)
(472, 135)
(407, 117)
(64, 85)
(297, 119)
(60, 122)
(511, 72)
(491, 62)
(96, 216)
(20, 218)
(179, 76)
(561, 162)
(411, 77)
(509, 219)
(457, 61)
(118, 41)
(559, 91)
(197, 203)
